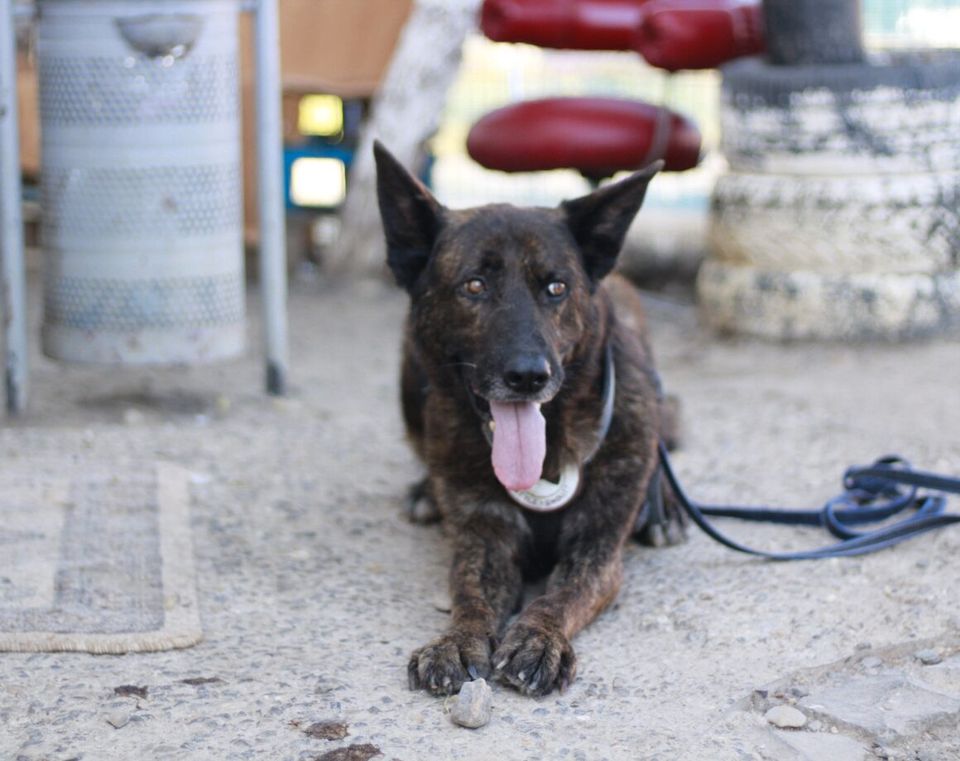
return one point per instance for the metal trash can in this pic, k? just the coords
(142, 227)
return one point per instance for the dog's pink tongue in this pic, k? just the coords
(519, 443)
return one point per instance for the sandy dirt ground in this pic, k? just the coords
(314, 588)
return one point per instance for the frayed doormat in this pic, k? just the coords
(96, 561)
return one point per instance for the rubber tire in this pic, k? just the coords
(895, 113)
(805, 305)
(879, 223)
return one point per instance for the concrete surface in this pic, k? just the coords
(314, 589)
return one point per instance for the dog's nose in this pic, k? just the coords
(527, 374)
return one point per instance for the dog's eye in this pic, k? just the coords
(557, 289)
(475, 286)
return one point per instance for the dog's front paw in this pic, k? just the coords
(668, 534)
(421, 507)
(446, 663)
(536, 659)
(661, 522)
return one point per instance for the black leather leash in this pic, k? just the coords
(871, 494)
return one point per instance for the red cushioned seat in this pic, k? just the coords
(571, 24)
(687, 34)
(596, 136)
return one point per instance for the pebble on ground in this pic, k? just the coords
(474, 704)
(785, 717)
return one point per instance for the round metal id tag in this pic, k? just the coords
(546, 496)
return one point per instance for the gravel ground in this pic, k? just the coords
(314, 589)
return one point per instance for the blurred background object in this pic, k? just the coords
(141, 224)
(574, 78)
(336, 59)
(839, 216)
(406, 114)
(578, 25)
(598, 137)
(689, 34)
(669, 238)
(334, 55)
(140, 193)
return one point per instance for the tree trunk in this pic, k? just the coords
(406, 112)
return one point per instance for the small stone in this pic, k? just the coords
(132, 416)
(474, 704)
(441, 602)
(785, 717)
(871, 662)
(815, 726)
(327, 730)
(363, 752)
(197, 681)
(118, 719)
(862, 646)
(223, 404)
(130, 690)
(928, 657)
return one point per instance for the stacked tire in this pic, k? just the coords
(840, 215)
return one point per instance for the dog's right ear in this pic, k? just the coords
(599, 221)
(411, 217)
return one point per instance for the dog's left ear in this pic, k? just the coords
(411, 217)
(599, 221)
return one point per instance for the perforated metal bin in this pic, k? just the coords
(141, 180)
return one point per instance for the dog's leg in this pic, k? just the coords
(661, 522)
(485, 586)
(671, 428)
(536, 656)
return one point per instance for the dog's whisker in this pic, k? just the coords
(460, 364)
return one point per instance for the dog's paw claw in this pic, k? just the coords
(668, 533)
(676, 533)
(445, 664)
(535, 660)
(655, 536)
(413, 679)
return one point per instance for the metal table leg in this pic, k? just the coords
(13, 294)
(273, 267)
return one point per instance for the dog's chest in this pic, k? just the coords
(541, 551)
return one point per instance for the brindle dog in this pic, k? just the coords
(511, 314)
